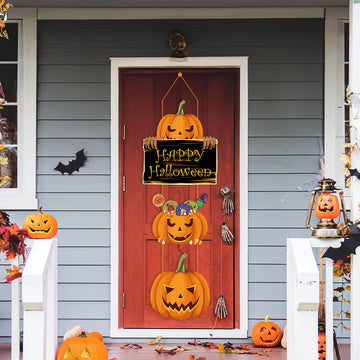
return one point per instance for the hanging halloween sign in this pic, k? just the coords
(179, 153)
(180, 162)
(180, 294)
(73, 165)
(180, 223)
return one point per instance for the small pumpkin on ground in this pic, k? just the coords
(82, 348)
(40, 225)
(180, 294)
(266, 333)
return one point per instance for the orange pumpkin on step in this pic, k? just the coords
(266, 333)
(82, 348)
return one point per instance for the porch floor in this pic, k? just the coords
(148, 352)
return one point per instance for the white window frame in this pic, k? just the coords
(334, 104)
(240, 63)
(24, 196)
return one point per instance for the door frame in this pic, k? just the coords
(240, 63)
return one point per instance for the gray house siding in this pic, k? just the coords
(285, 124)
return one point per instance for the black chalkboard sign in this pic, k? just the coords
(180, 162)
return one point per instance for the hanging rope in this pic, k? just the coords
(180, 76)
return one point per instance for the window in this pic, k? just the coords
(18, 115)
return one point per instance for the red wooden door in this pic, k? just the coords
(141, 257)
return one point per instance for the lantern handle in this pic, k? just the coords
(310, 209)
(346, 220)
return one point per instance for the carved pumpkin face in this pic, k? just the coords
(180, 295)
(82, 348)
(40, 226)
(327, 206)
(322, 345)
(266, 333)
(179, 126)
(180, 229)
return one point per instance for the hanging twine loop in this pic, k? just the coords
(180, 76)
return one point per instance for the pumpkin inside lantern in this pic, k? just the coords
(327, 206)
(266, 333)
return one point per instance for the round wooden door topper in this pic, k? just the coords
(158, 200)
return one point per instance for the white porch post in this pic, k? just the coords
(354, 82)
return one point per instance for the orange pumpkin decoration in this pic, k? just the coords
(82, 348)
(180, 294)
(179, 126)
(322, 345)
(180, 229)
(40, 226)
(94, 335)
(327, 206)
(266, 333)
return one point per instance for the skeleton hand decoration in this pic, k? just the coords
(220, 308)
(226, 234)
(227, 205)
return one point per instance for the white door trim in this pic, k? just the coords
(202, 62)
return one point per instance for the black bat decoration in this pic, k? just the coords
(354, 172)
(74, 165)
(348, 245)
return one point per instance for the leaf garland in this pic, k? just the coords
(12, 244)
(4, 7)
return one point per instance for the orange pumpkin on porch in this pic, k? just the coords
(180, 229)
(40, 225)
(180, 294)
(327, 206)
(179, 126)
(266, 333)
(82, 348)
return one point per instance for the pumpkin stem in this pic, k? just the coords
(40, 210)
(181, 266)
(267, 318)
(180, 109)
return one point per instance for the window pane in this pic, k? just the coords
(9, 48)
(8, 125)
(8, 81)
(8, 171)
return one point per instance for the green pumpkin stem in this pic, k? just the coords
(181, 266)
(180, 109)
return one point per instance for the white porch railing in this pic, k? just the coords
(39, 293)
(303, 298)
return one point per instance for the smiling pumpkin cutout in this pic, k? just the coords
(40, 225)
(180, 294)
(182, 224)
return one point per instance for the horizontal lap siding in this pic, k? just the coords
(285, 129)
